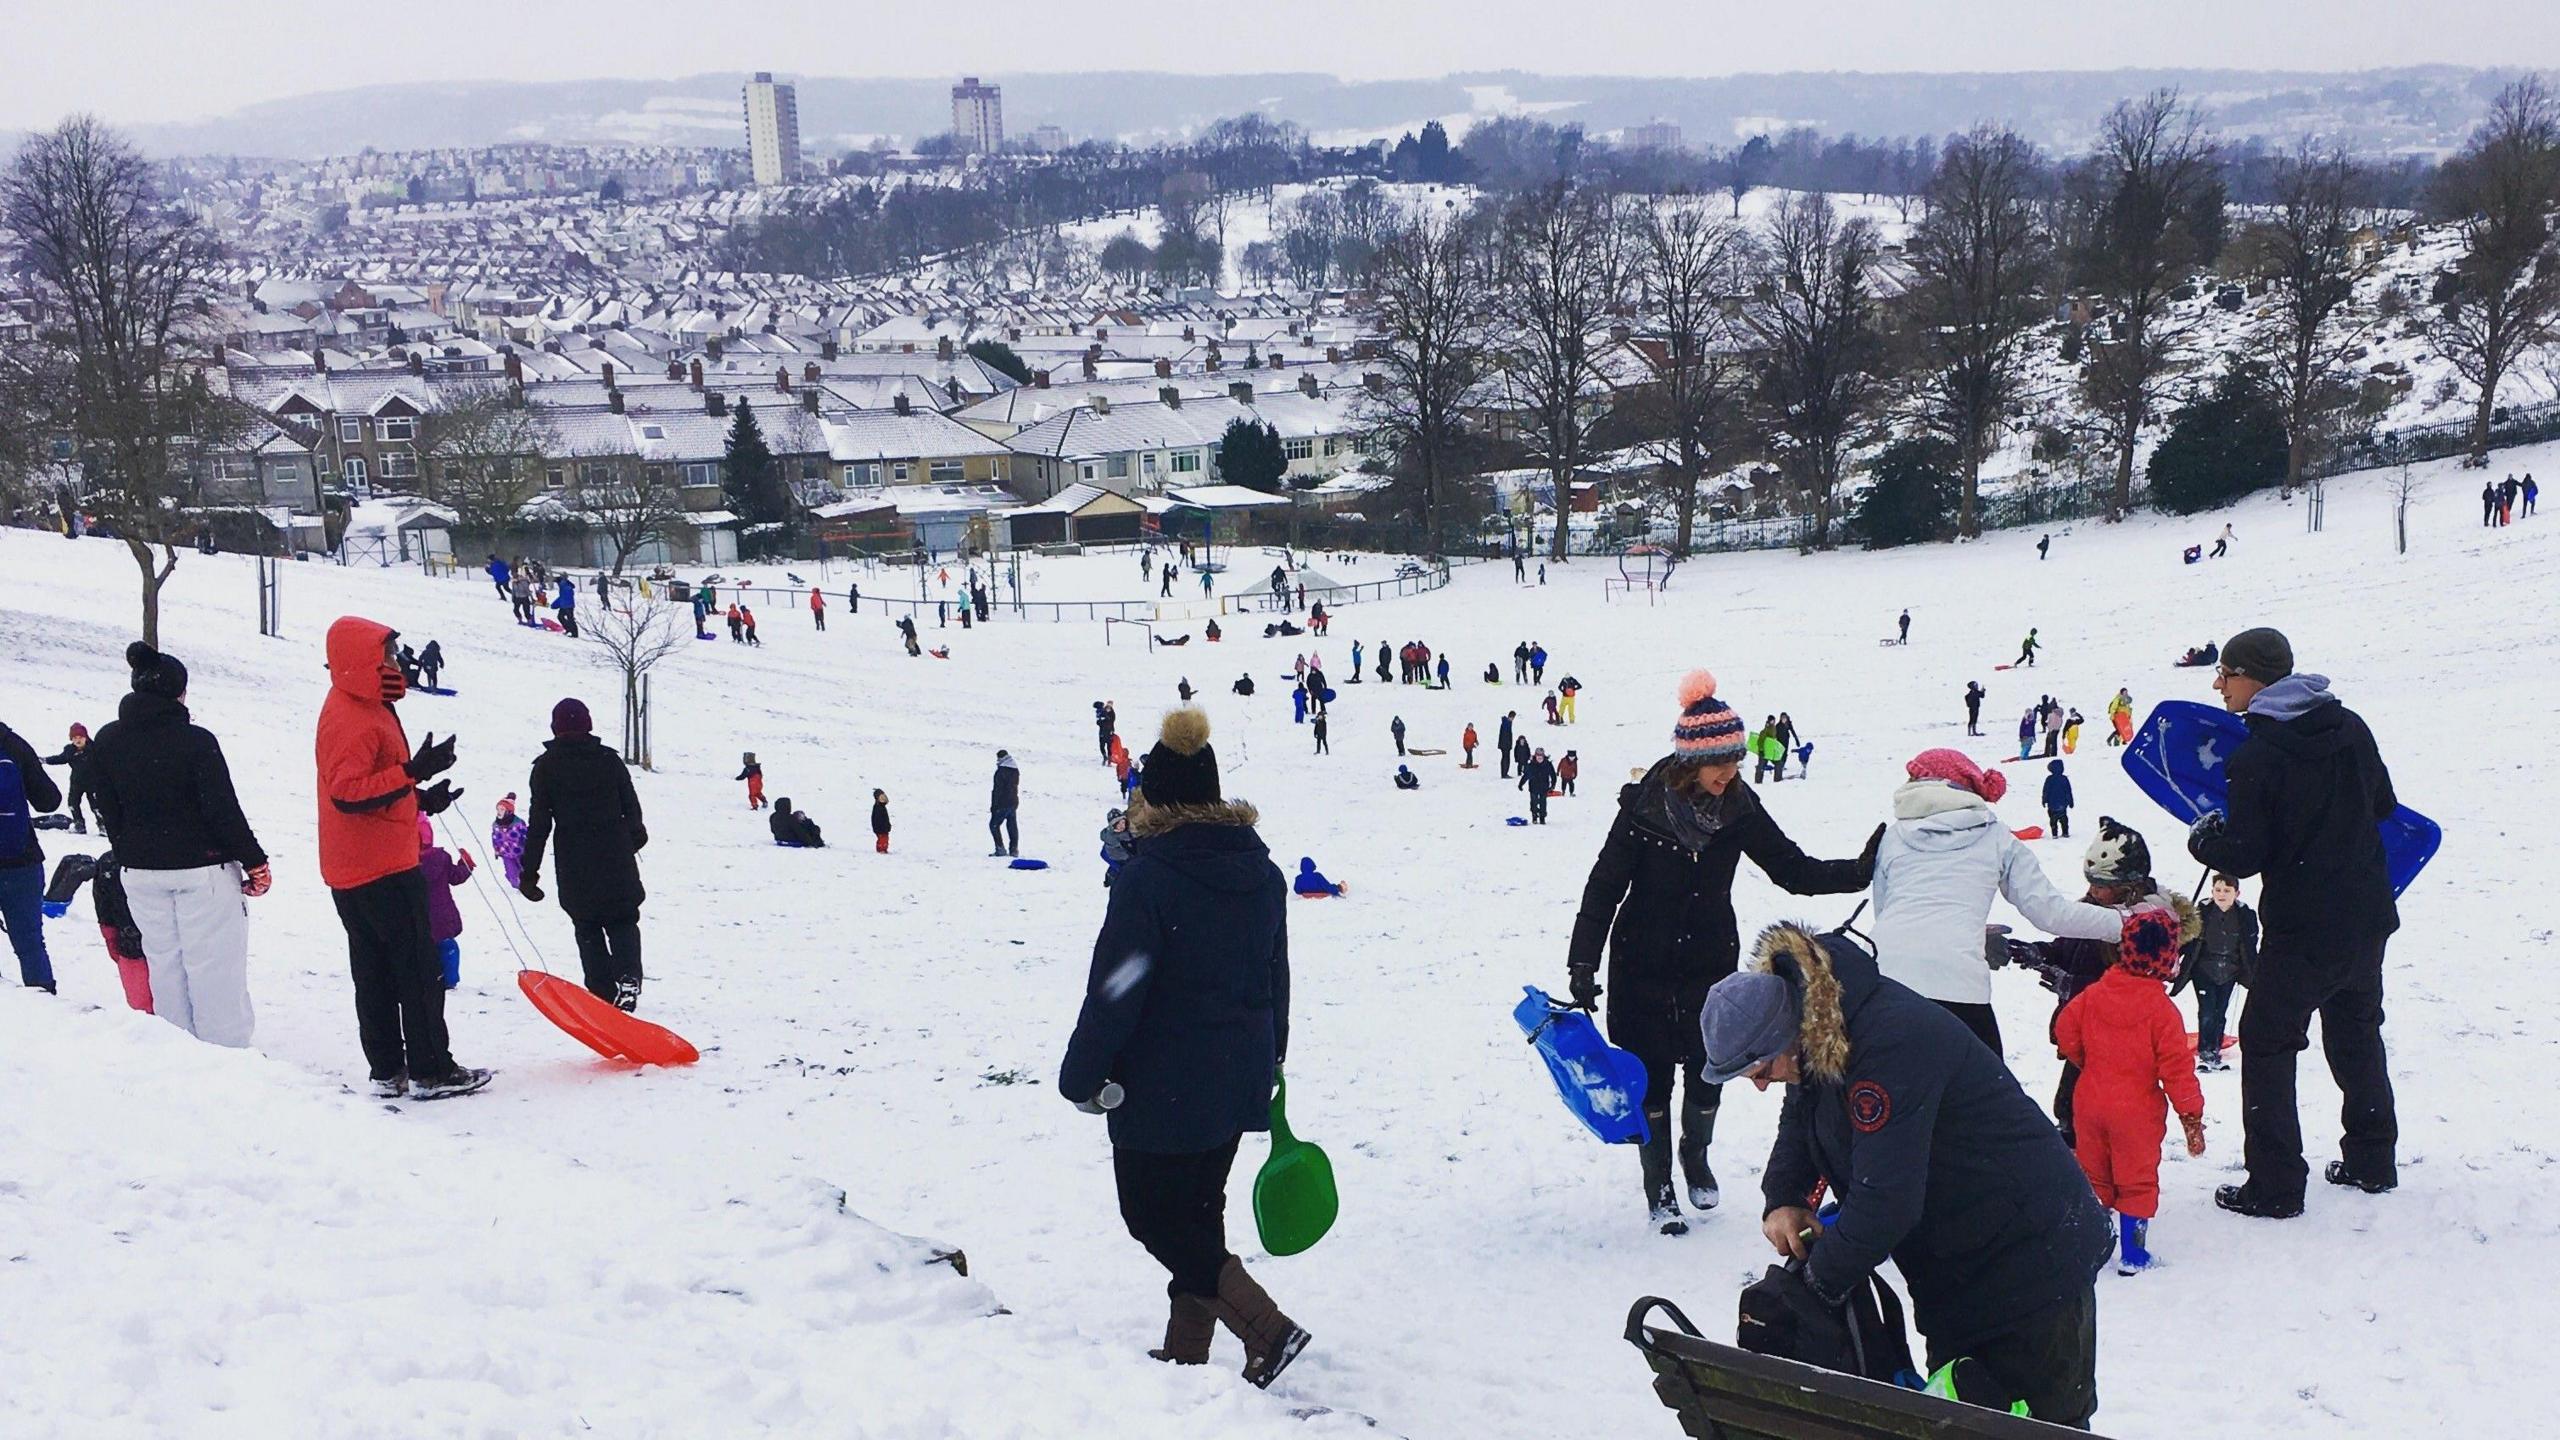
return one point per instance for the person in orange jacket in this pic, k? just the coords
(2130, 1042)
(1467, 742)
(370, 801)
(753, 774)
(818, 606)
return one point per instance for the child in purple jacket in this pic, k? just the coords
(444, 918)
(506, 841)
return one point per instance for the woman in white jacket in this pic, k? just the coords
(1943, 859)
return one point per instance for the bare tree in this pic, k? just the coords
(2404, 488)
(1561, 277)
(1820, 352)
(119, 272)
(481, 455)
(2501, 296)
(1691, 267)
(2150, 203)
(630, 639)
(626, 504)
(2308, 246)
(1980, 260)
(1428, 298)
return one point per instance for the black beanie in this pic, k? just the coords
(1182, 769)
(155, 673)
(2262, 654)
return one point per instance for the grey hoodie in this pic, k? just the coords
(2292, 697)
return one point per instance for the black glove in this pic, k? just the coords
(1867, 857)
(432, 759)
(2207, 829)
(1585, 988)
(531, 888)
(437, 797)
(1995, 946)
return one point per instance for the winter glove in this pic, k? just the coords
(531, 888)
(1104, 1100)
(2195, 1133)
(1585, 988)
(256, 882)
(1867, 857)
(2207, 829)
(1995, 946)
(432, 759)
(435, 798)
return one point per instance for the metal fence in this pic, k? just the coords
(2509, 425)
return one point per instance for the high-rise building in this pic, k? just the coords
(1657, 135)
(773, 130)
(977, 115)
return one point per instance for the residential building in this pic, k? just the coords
(1654, 135)
(1172, 443)
(1047, 139)
(773, 130)
(977, 115)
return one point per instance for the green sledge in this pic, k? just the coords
(1294, 1202)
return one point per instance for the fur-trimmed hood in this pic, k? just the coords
(1146, 819)
(1831, 977)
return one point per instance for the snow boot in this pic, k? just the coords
(2133, 1253)
(1697, 1131)
(1271, 1339)
(2242, 1200)
(1188, 1332)
(390, 1087)
(626, 996)
(1655, 1154)
(458, 1081)
(2339, 1174)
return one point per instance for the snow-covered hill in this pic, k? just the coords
(227, 1244)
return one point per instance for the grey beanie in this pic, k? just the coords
(2262, 654)
(1748, 1020)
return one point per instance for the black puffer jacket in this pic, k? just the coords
(43, 796)
(2308, 794)
(585, 790)
(163, 791)
(1675, 933)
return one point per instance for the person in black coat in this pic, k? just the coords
(794, 827)
(1661, 895)
(1538, 777)
(2224, 954)
(1939, 1161)
(74, 756)
(1502, 741)
(22, 859)
(2308, 793)
(1973, 693)
(1184, 1025)
(584, 789)
(1004, 799)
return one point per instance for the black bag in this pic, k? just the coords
(1781, 1316)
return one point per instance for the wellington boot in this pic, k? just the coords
(1661, 1201)
(1697, 1132)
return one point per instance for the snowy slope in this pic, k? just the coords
(891, 1026)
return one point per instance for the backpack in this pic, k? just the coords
(17, 817)
(1781, 1316)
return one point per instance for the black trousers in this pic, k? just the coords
(2049, 1360)
(1004, 832)
(1538, 807)
(1981, 1020)
(2275, 1028)
(1176, 1206)
(608, 954)
(399, 979)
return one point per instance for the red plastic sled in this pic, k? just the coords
(599, 1026)
(2227, 1041)
(2031, 832)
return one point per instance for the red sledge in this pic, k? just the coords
(600, 1027)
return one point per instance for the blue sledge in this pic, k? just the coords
(2177, 759)
(1601, 1085)
(1027, 864)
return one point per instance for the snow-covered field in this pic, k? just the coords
(214, 1243)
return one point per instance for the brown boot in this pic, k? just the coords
(1271, 1339)
(1188, 1332)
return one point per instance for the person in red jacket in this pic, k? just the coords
(2130, 1042)
(818, 606)
(369, 808)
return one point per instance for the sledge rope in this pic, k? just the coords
(500, 920)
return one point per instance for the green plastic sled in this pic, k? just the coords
(1293, 1198)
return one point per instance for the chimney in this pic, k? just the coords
(1375, 383)
(827, 350)
(809, 373)
(735, 333)
(1099, 333)
(1039, 379)
(675, 369)
(711, 347)
(908, 348)
(715, 402)
(1240, 391)
(942, 347)
(613, 401)
(901, 404)
(1164, 368)
(1187, 335)
(515, 368)
(782, 378)
(1278, 360)
(809, 401)
(1013, 333)
(1332, 356)
(1101, 404)
(697, 375)
(1307, 385)
(1622, 333)
(606, 370)
(1088, 367)
(1215, 359)
(417, 363)
(1169, 397)
(320, 360)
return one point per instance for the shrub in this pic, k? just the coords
(1912, 495)
(2221, 445)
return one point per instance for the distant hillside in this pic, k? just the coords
(2418, 108)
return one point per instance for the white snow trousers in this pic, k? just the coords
(195, 929)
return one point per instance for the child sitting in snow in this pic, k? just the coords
(2130, 1042)
(1407, 780)
(444, 918)
(1311, 883)
(506, 841)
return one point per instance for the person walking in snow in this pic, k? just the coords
(2057, 801)
(1385, 672)
(372, 792)
(25, 791)
(2308, 791)
(2027, 649)
(1395, 727)
(566, 607)
(520, 589)
(1537, 663)
(747, 617)
(1568, 770)
(2225, 954)
(583, 790)
(1903, 636)
(1566, 690)
(880, 821)
(1973, 693)
(2488, 502)
(2120, 717)
(818, 607)
(753, 774)
(1660, 896)
(498, 572)
(1520, 663)
(1106, 726)
(1004, 802)
(74, 757)
(2044, 546)
(2130, 1042)
(506, 840)
(1355, 662)
(1538, 777)
(2052, 726)
(2222, 542)
(1467, 743)
(1322, 748)
(443, 874)
(1502, 739)
(1520, 749)
(1942, 860)
(2027, 732)
(1181, 1037)
(2531, 492)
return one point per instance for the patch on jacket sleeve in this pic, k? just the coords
(1869, 1107)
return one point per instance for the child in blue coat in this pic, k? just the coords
(2057, 800)
(1311, 883)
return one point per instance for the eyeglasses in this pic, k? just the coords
(2225, 672)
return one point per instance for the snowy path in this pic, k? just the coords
(891, 1026)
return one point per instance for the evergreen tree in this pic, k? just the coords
(1250, 454)
(1431, 155)
(753, 481)
(1914, 488)
(998, 356)
(2222, 444)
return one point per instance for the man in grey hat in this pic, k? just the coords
(2307, 794)
(1940, 1162)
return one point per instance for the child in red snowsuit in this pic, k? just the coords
(2130, 1042)
(753, 774)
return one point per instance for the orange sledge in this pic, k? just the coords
(600, 1027)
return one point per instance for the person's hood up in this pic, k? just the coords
(1832, 977)
(356, 666)
(1306, 865)
(1932, 815)
(1005, 762)
(2292, 697)
(1212, 844)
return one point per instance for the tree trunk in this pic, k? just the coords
(1969, 503)
(152, 580)
(1688, 494)
(2121, 503)
(2481, 416)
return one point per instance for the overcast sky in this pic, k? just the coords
(137, 61)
